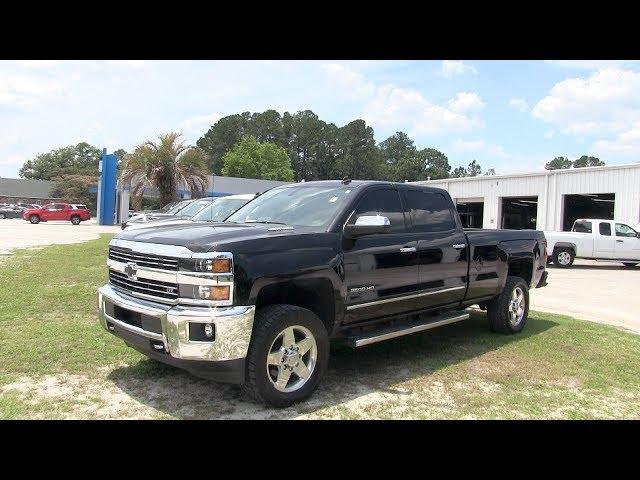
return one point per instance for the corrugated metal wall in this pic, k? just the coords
(549, 187)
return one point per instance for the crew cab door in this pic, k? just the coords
(381, 269)
(627, 246)
(441, 248)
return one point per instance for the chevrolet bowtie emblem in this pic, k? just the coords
(131, 269)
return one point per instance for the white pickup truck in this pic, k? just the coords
(594, 239)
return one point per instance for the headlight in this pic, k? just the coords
(207, 277)
(216, 265)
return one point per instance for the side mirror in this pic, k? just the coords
(637, 234)
(367, 225)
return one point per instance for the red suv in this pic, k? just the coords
(75, 213)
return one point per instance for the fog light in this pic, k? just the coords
(208, 330)
(214, 293)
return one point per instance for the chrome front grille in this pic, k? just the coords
(154, 288)
(143, 259)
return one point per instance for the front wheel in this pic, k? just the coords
(629, 264)
(75, 220)
(288, 355)
(2, 216)
(563, 257)
(508, 312)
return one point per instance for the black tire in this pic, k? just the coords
(498, 309)
(2, 216)
(75, 219)
(269, 322)
(629, 264)
(564, 264)
(34, 219)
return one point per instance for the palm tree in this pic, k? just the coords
(165, 165)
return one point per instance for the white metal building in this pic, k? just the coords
(547, 200)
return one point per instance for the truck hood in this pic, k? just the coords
(203, 237)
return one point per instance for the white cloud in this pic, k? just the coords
(588, 64)
(198, 125)
(466, 102)
(626, 143)
(606, 101)
(478, 147)
(452, 68)
(396, 107)
(351, 83)
(37, 64)
(24, 91)
(519, 104)
(549, 134)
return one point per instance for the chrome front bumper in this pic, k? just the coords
(233, 326)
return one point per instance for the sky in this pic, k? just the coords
(513, 116)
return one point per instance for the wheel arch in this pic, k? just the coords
(315, 294)
(569, 245)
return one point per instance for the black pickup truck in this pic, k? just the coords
(256, 299)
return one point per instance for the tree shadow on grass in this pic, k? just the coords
(352, 373)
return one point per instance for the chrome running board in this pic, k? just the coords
(388, 333)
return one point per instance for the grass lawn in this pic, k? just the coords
(57, 362)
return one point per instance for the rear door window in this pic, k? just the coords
(605, 229)
(430, 212)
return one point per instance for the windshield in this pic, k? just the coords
(193, 208)
(219, 209)
(177, 207)
(303, 206)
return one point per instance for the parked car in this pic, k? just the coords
(57, 211)
(215, 210)
(594, 239)
(256, 299)
(8, 212)
(172, 211)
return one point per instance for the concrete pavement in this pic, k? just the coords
(18, 233)
(604, 292)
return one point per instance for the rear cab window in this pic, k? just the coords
(582, 226)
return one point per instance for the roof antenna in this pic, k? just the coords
(346, 180)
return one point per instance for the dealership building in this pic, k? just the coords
(547, 200)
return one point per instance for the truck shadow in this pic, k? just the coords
(604, 266)
(352, 374)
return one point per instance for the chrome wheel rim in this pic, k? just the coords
(564, 258)
(292, 358)
(516, 306)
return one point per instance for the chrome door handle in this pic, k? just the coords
(459, 246)
(408, 250)
(620, 241)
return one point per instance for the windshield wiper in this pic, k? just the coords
(262, 221)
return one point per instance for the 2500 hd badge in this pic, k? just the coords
(256, 299)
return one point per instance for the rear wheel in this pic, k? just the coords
(563, 257)
(75, 219)
(629, 264)
(34, 219)
(508, 312)
(2, 216)
(288, 355)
